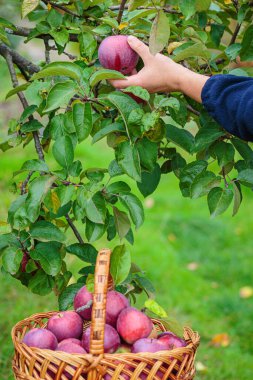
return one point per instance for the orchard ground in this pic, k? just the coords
(177, 232)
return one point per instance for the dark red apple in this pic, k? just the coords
(171, 340)
(133, 325)
(70, 340)
(40, 338)
(66, 324)
(116, 54)
(148, 345)
(82, 298)
(71, 348)
(111, 339)
(115, 303)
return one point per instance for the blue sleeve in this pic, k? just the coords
(229, 100)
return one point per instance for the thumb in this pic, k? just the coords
(140, 48)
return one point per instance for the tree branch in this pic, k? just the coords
(21, 62)
(121, 10)
(235, 34)
(165, 9)
(192, 110)
(74, 229)
(25, 182)
(47, 51)
(58, 6)
(25, 32)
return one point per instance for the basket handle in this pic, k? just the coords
(99, 302)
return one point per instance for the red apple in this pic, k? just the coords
(71, 348)
(148, 345)
(133, 325)
(116, 54)
(82, 297)
(111, 340)
(40, 338)
(70, 340)
(171, 340)
(115, 303)
(66, 324)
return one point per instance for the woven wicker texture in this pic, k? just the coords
(37, 364)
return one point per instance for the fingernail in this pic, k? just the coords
(131, 39)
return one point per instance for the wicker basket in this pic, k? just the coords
(37, 364)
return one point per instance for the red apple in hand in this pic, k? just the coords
(115, 303)
(40, 338)
(132, 325)
(66, 324)
(116, 54)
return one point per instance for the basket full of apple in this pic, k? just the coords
(103, 339)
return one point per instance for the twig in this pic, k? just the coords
(224, 177)
(192, 110)
(47, 50)
(22, 63)
(58, 6)
(74, 229)
(235, 34)
(25, 32)
(25, 182)
(121, 10)
(165, 9)
(70, 56)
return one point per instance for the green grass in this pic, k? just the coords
(177, 231)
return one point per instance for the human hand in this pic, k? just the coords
(161, 74)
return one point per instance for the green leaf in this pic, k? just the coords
(139, 13)
(87, 44)
(180, 137)
(28, 6)
(49, 256)
(138, 91)
(110, 128)
(114, 169)
(246, 177)
(128, 159)
(246, 53)
(66, 298)
(82, 118)
(233, 50)
(95, 208)
(216, 33)
(31, 126)
(94, 231)
(120, 264)
(219, 200)
(149, 181)
(237, 197)
(61, 37)
(105, 74)
(244, 149)
(60, 95)
(54, 18)
(7, 24)
(17, 89)
(196, 50)
(63, 151)
(37, 191)
(133, 4)
(155, 308)
(122, 222)
(148, 152)
(123, 103)
(41, 283)
(160, 33)
(203, 183)
(67, 69)
(189, 173)
(187, 7)
(12, 259)
(86, 252)
(32, 165)
(207, 135)
(202, 5)
(118, 188)
(46, 231)
(224, 152)
(135, 208)
(27, 112)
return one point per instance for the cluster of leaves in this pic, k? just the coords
(71, 103)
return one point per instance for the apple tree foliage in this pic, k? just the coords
(69, 102)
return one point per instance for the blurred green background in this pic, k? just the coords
(197, 264)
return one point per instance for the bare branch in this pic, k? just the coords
(25, 182)
(235, 34)
(21, 62)
(74, 229)
(47, 51)
(165, 9)
(58, 6)
(192, 110)
(25, 32)
(121, 10)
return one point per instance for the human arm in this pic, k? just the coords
(227, 98)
